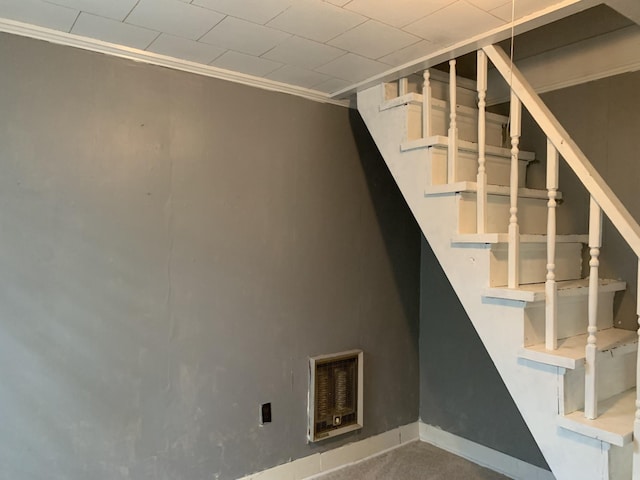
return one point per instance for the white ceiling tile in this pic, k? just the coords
(373, 39)
(488, 5)
(389, 12)
(174, 17)
(179, 47)
(303, 53)
(116, 9)
(453, 23)
(339, 3)
(39, 13)
(113, 31)
(258, 11)
(318, 21)
(239, 62)
(412, 52)
(297, 76)
(353, 68)
(523, 7)
(332, 85)
(243, 36)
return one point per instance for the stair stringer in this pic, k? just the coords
(535, 388)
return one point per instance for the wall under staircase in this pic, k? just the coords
(543, 387)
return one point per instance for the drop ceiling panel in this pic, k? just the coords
(174, 17)
(303, 53)
(407, 54)
(113, 31)
(316, 20)
(453, 23)
(353, 68)
(326, 45)
(298, 76)
(374, 39)
(240, 62)
(258, 11)
(389, 12)
(243, 36)
(115, 9)
(39, 13)
(179, 47)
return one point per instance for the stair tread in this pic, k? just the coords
(472, 238)
(571, 350)
(614, 423)
(443, 141)
(416, 99)
(458, 187)
(535, 292)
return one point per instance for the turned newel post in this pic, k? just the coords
(453, 125)
(551, 289)
(426, 105)
(595, 242)
(481, 202)
(514, 230)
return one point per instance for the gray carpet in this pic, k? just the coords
(415, 461)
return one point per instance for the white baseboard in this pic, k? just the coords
(321, 463)
(484, 456)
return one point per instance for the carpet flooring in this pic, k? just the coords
(414, 461)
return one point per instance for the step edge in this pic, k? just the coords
(493, 238)
(503, 293)
(619, 440)
(442, 141)
(472, 187)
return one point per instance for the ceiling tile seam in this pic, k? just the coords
(130, 12)
(344, 52)
(208, 31)
(74, 22)
(333, 60)
(277, 15)
(151, 42)
(217, 56)
(428, 15)
(420, 39)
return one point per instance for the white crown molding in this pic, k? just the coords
(85, 43)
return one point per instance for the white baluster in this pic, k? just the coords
(590, 379)
(403, 86)
(453, 125)
(636, 422)
(551, 289)
(514, 230)
(426, 105)
(481, 201)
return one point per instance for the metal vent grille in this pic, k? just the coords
(335, 394)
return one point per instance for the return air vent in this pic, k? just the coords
(335, 394)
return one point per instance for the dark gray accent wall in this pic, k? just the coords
(173, 248)
(603, 118)
(461, 391)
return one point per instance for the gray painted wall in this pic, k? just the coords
(603, 117)
(460, 389)
(172, 250)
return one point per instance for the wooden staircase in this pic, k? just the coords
(548, 327)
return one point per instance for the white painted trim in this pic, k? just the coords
(321, 463)
(592, 59)
(85, 43)
(484, 456)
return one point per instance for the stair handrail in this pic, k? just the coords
(575, 158)
(602, 200)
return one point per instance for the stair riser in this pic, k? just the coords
(439, 90)
(572, 317)
(498, 168)
(616, 373)
(532, 214)
(467, 122)
(533, 263)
